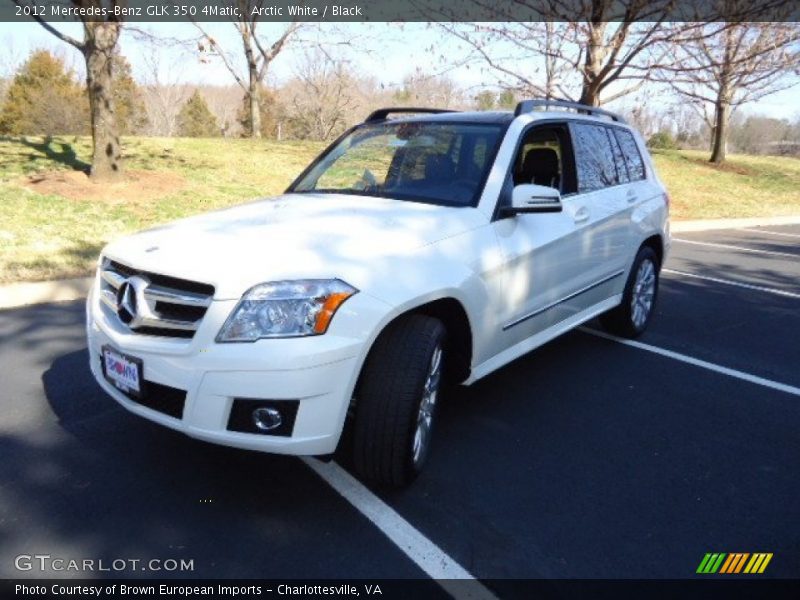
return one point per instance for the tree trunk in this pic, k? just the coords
(253, 99)
(722, 114)
(255, 108)
(596, 52)
(589, 96)
(720, 143)
(98, 52)
(722, 105)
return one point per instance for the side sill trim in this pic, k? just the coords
(539, 311)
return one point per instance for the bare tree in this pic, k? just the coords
(224, 101)
(98, 48)
(164, 94)
(525, 56)
(592, 51)
(321, 100)
(258, 54)
(10, 60)
(423, 89)
(760, 135)
(731, 64)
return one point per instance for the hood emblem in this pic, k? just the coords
(132, 306)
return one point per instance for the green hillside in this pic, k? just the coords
(53, 222)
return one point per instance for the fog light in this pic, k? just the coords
(266, 419)
(263, 417)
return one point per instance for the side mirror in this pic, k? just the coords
(531, 198)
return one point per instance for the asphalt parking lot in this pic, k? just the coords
(588, 458)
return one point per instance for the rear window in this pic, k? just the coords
(633, 159)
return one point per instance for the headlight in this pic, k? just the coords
(285, 309)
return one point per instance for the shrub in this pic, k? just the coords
(45, 99)
(662, 140)
(196, 120)
(128, 101)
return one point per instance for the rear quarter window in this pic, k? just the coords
(619, 159)
(630, 151)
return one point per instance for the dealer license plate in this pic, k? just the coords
(123, 371)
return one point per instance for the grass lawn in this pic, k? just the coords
(53, 222)
(745, 186)
(58, 230)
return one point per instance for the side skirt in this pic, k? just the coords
(541, 338)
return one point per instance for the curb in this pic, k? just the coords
(64, 290)
(711, 224)
(25, 293)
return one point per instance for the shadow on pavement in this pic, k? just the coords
(105, 484)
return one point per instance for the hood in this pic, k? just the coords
(291, 237)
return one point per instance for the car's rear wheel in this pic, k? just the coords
(632, 316)
(396, 401)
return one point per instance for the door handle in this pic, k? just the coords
(581, 215)
(631, 197)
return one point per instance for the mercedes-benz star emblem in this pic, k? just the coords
(131, 302)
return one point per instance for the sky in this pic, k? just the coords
(388, 52)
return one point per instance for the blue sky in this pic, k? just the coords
(388, 52)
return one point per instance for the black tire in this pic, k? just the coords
(623, 320)
(388, 400)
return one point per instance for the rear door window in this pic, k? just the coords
(594, 157)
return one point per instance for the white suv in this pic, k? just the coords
(437, 246)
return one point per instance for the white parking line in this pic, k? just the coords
(792, 235)
(453, 578)
(740, 248)
(775, 385)
(749, 286)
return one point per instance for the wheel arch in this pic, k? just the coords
(656, 242)
(459, 345)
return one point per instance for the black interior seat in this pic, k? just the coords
(541, 167)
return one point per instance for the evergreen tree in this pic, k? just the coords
(506, 100)
(44, 98)
(269, 115)
(128, 102)
(196, 120)
(485, 100)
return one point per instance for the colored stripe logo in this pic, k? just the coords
(736, 562)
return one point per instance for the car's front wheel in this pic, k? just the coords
(396, 401)
(632, 316)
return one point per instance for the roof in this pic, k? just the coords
(535, 105)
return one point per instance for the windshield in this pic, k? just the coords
(438, 163)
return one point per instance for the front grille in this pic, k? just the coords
(153, 304)
(180, 311)
(164, 280)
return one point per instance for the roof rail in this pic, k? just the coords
(528, 105)
(382, 113)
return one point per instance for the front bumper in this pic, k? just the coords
(318, 374)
